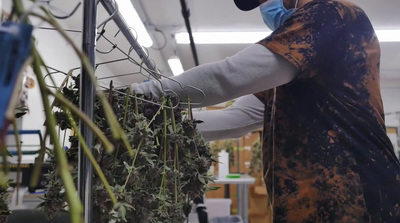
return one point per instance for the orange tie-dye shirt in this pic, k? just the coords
(327, 157)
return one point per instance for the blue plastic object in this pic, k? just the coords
(15, 39)
(25, 132)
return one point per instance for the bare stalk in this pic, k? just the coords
(90, 156)
(74, 203)
(176, 156)
(18, 143)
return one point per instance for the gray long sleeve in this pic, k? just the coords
(251, 70)
(246, 114)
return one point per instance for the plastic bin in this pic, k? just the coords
(218, 207)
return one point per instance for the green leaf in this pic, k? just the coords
(170, 128)
(150, 161)
(97, 147)
(127, 166)
(117, 206)
(212, 188)
(201, 179)
(122, 212)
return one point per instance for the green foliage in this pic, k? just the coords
(256, 160)
(4, 211)
(167, 170)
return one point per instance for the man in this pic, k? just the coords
(326, 154)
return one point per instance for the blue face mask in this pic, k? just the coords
(275, 14)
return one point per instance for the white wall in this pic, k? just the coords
(391, 104)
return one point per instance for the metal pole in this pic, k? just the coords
(87, 94)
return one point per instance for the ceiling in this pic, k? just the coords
(163, 18)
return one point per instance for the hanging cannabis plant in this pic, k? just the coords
(156, 181)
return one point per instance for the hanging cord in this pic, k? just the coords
(186, 14)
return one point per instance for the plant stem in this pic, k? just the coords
(123, 123)
(38, 164)
(136, 104)
(4, 153)
(126, 106)
(190, 115)
(118, 132)
(18, 143)
(65, 81)
(76, 111)
(176, 156)
(70, 190)
(154, 117)
(90, 156)
(133, 162)
(74, 204)
(165, 144)
(164, 177)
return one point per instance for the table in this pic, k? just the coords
(242, 183)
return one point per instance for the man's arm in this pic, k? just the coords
(251, 70)
(243, 116)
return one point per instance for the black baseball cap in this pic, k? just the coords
(246, 5)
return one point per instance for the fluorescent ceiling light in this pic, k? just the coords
(388, 35)
(175, 65)
(221, 37)
(253, 37)
(134, 22)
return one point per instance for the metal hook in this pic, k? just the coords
(107, 52)
(110, 17)
(56, 71)
(180, 85)
(119, 75)
(155, 73)
(66, 16)
(103, 63)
